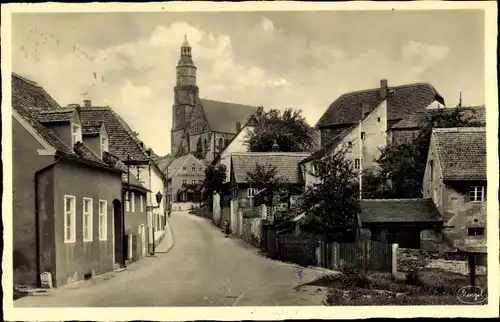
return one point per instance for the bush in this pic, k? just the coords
(412, 278)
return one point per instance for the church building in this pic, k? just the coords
(200, 126)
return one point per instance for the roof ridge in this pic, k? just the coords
(26, 80)
(388, 87)
(271, 153)
(459, 129)
(226, 102)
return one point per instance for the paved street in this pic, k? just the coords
(201, 269)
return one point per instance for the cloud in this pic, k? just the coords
(260, 65)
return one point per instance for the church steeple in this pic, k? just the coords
(186, 69)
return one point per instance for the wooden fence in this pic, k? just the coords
(299, 249)
(366, 255)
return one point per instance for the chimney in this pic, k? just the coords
(238, 127)
(87, 103)
(383, 88)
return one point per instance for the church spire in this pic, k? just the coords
(186, 43)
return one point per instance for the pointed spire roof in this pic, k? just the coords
(185, 43)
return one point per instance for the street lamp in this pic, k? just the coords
(158, 196)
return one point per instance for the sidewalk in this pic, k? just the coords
(167, 242)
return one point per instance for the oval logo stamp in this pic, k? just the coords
(472, 295)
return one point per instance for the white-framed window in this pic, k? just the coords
(362, 135)
(194, 181)
(251, 192)
(476, 194)
(184, 182)
(132, 201)
(87, 219)
(127, 201)
(475, 231)
(357, 163)
(76, 133)
(104, 144)
(141, 203)
(69, 219)
(193, 169)
(103, 220)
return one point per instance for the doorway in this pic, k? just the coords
(142, 232)
(119, 232)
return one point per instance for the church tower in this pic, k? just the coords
(185, 94)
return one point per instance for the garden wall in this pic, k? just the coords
(252, 231)
(409, 259)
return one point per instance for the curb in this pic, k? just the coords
(169, 231)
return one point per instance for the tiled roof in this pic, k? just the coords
(461, 152)
(122, 141)
(59, 115)
(330, 145)
(91, 128)
(287, 164)
(417, 119)
(223, 116)
(22, 102)
(398, 211)
(29, 94)
(401, 101)
(176, 164)
(118, 164)
(163, 162)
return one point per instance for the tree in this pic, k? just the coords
(214, 180)
(199, 149)
(334, 199)
(265, 176)
(288, 129)
(404, 163)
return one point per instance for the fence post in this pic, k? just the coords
(335, 256)
(394, 268)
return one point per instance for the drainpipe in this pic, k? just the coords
(37, 222)
(153, 221)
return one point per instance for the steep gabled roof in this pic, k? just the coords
(122, 141)
(417, 118)
(176, 164)
(401, 101)
(399, 211)
(330, 145)
(461, 152)
(287, 164)
(24, 104)
(223, 116)
(163, 162)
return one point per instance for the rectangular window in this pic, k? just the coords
(357, 164)
(476, 194)
(378, 119)
(251, 192)
(183, 168)
(104, 145)
(362, 135)
(127, 201)
(184, 182)
(476, 231)
(201, 169)
(103, 220)
(349, 144)
(141, 203)
(69, 219)
(87, 219)
(76, 133)
(193, 169)
(132, 201)
(194, 181)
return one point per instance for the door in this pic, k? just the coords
(119, 232)
(143, 240)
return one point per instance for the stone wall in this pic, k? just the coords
(252, 231)
(409, 259)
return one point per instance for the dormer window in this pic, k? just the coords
(76, 133)
(104, 144)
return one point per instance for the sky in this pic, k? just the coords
(281, 59)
